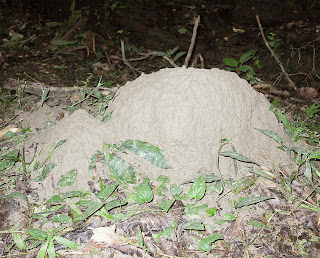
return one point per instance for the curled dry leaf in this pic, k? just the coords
(308, 93)
(11, 128)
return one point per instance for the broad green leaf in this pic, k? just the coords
(94, 206)
(195, 210)
(37, 234)
(120, 170)
(46, 170)
(211, 211)
(166, 204)
(162, 189)
(69, 178)
(197, 189)
(205, 244)
(147, 151)
(229, 217)
(237, 156)
(230, 62)
(114, 203)
(62, 218)
(259, 225)
(314, 155)
(15, 195)
(194, 225)
(19, 241)
(163, 179)
(66, 242)
(55, 199)
(218, 187)
(247, 56)
(9, 160)
(51, 252)
(106, 192)
(43, 249)
(246, 68)
(246, 201)
(144, 193)
(175, 190)
(271, 134)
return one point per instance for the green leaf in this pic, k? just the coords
(194, 225)
(62, 218)
(63, 42)
(307, 172)
(147, 151)
(114, 203)
(182, 31)
(9, 160)
(260, 172)
(55, 199)
(197, 189)
(259, 225)
(69, 178)
(246, 201)
(237, 156)
(15, 195)
(121, 170)
(73, 194)
(247, 56)
(166, 204)
(314, 155)
(229, 217)
(246, 68)
(45, 171)
(66, 242)
(177, 56)
(205, 244)
(163, 179)
(167, 232)
(271, 134)
(37, 234)
(139, 237)
(243, 183)
(211, 212)
(218, 187)
(50, 250)
(195, 210)
(43, 250)
(144, 193)
(230, 62)
(94, 206)
(175, 190)
(106, 191)
(19, 241)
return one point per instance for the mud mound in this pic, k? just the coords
(186, 112)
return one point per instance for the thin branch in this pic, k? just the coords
(290, 82)
(193, 40)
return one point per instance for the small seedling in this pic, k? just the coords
(240, 66)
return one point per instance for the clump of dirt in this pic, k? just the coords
(185, 112)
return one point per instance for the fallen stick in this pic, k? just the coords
(290, 82)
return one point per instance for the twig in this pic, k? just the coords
(198, 56)
(193, 39)
(170, 61)
(290, 82)
(134, 70)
